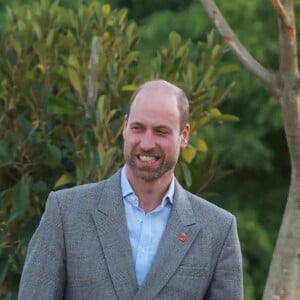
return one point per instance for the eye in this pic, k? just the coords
(136, 128)
(162, 131)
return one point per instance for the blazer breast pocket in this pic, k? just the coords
(187, 282)
(83, 270)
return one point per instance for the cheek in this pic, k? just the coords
(172, 146)
(130, 141)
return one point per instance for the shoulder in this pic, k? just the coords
(84, 196)
(204, 211)
(80, 190)
(207, 207)
(219, 224)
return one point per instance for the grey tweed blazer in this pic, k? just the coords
(81, 250)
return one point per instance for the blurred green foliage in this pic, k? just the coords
(56, 131)
(254, 150)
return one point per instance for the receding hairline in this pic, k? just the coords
(182, 101)
(158, 83)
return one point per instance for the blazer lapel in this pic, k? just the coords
(180, 232)
(112, 230)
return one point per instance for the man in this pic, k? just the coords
(139, 234)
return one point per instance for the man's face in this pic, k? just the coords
(152, 136)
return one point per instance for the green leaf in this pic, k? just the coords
(26, 231)
(60, 106)
(73, 70)
(40, 187)
(174, 39)
(27, 126)
(216, 52)
(182, 50)
(20, 199)
(101, 108)
(210, 39)
(64, 179)
(129, 88)
(37, 29)
(131, 29)
(16, 46)
(203, 122)
(7, 155)
(186, 174)
(131, 57)
(228, 118)
(4, 265)
(228, 69)
(106, 10)
(109, 116)
(121, 15)
(215, 112)
(50, 38)
(202, 146)
(54, 154)
(189, 153)
(111, 70)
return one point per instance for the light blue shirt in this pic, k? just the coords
(145, 230)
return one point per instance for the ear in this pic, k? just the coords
(125, 125)
(185, 134)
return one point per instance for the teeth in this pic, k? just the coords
(147, 158)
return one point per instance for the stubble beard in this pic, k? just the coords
(147, 173)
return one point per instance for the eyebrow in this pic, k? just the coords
(136, 124)
(165, 127)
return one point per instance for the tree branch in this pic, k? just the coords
(268, 78)
(286, 20)
(93, 71)
(287, 36)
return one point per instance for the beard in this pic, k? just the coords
(150, 173)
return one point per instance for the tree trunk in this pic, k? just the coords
(283, 281)
(284, 275)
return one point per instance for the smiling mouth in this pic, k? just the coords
(146, 158)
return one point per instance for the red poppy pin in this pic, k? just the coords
(183, 237)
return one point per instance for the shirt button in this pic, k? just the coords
(143, 250)
(140, 220)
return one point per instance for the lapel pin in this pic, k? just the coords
(183, 237)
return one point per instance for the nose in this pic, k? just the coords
(147, 141)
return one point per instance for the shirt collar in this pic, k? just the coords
(127, 189)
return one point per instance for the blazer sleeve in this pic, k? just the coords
(43, 275)
(227, 280)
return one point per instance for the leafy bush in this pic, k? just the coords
(66, 77)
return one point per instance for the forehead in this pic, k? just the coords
(158, 104)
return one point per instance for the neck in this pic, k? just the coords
(150, 193)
